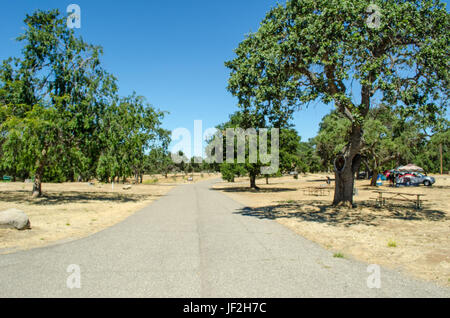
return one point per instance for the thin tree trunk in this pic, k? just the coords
(267, 179)
(253, 181)
(373, 182)
(37, 185)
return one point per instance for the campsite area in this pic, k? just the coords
(397, 235)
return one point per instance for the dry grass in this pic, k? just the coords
(69, 211)
(422, 237)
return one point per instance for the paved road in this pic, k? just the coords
(194, 243)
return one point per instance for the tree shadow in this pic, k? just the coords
(320, 180)
(248, 189)
(365, 213)
(442, 187)
(52, 198)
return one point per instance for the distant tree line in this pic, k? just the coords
(389, 140)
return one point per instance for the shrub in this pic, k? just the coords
(151, 181)
(392, 243)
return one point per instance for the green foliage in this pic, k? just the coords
(289, 151)
(159, 161)
(285, 64)
(60, 116)
(392, 243)
(388, 141)
(309, 160)
(428, 156)
(230, 171)
(151, 181)
(332, 137)
(289, 147)
(324, 51)
(128, 129)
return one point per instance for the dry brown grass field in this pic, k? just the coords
(69, 211)
(397, 236)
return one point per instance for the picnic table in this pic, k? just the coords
(7, 178)
(318, 191)
(399, 196)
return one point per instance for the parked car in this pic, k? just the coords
(364, 175)
(361, 175)
(414, 179)
(7, 179)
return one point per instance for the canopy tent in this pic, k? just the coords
(410, 168)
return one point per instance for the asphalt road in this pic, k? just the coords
(194, 242)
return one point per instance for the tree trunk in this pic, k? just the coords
(267, 179)
(37, 185)
(346, 165)
(373, 182)
(253, 181)
(71, 177)
(343, 193)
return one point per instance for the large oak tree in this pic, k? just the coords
(330, 51)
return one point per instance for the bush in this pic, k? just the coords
(151, 181)
(392, 243)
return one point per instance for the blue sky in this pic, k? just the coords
(171, 52)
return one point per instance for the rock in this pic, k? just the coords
(127, 187)
(15, 219)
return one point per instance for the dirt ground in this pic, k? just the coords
(397, 236)
(69, 211)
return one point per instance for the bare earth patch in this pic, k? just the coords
(396, 236)
(69, 211)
